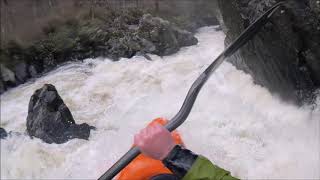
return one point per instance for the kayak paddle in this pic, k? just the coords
(193, 92)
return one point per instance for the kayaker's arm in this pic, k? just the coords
(156, 142)
(188, 166)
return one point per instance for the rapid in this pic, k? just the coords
(238, 125)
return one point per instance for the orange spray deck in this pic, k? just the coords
(143, 167)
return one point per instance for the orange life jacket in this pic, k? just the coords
(143, 167)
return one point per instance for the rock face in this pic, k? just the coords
(3, 133)
(50, 119)
(285, 55)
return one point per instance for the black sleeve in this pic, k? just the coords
(179, 161)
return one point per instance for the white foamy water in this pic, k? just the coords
(236, 124)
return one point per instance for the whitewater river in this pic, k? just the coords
(238, 125)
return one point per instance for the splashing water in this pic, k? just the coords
(238, 125)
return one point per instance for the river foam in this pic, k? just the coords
(238, 125)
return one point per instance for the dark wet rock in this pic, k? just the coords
(7, 76)
(166, 38)
(3, 133)
(144, 55)
(21, 72)
(147, 46)
(2, 87)
(32, 71)
(184, 38)
(285, 55)
(50, 119)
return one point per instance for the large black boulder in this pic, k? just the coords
(285, 55)
(3, 133)
(50, 119)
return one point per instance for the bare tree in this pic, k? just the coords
(3, 22)
(92, 9)
(156, 6)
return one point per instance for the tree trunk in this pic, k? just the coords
(157, 6)
(92, 10)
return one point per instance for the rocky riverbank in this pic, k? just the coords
(285, 56)
(112, 34)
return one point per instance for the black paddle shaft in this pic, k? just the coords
(193, 92)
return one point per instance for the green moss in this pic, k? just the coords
(63, 40)
(132, 16)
